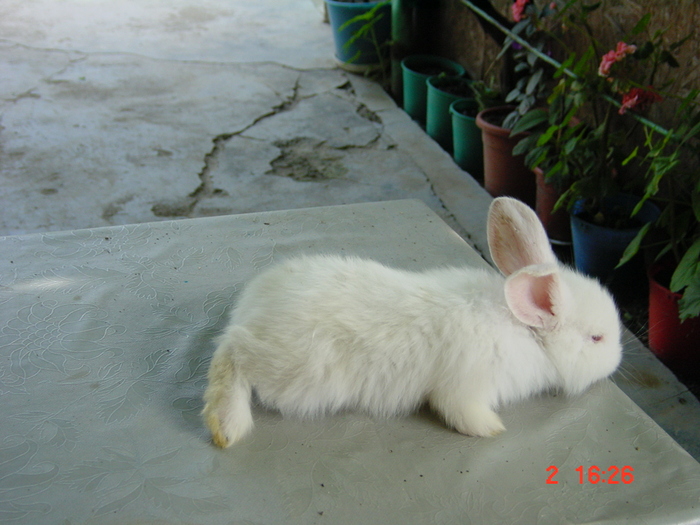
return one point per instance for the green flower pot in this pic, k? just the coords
(415, 71)
(442, 92)
(467, 146)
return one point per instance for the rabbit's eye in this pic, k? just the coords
(596, 338)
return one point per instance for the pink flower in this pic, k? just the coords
(622, 50)
(518, 8)
(606, 63)
(639, 99)
(619, 53)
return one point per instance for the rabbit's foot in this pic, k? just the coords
(476, 420)
(227, 425)
(226, 430)
(227, 410)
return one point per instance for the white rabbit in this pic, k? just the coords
(317, 334)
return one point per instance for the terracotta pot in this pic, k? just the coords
(557, 225)
(504, 174)
(676, 343)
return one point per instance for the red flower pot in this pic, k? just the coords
(676, 343)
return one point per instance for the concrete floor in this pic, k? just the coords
(163, 110)
(130, 111)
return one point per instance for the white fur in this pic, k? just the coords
(318, 334)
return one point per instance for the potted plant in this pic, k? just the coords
(416, 69)
(584, 139)
(674, 277)
(361, 33)
(536, 23)
(505, 172)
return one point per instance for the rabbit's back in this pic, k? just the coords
(322, 333)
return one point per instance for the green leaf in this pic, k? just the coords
(680, 42)
(559, 167)
(689, 305)
(692, 132)
(633, 246)
(566, 198)
(532, 59)
(368, 15)
(631, 156)
(642, 24)
(547, 135)
(571, 145)
(525, 144)
(529, 120)
(355, 57)
(525, 104)
(565, 65)
(669, 59)
(645, 51)
(513, 95)
(517, 28)
(534, 81)
(687, 269)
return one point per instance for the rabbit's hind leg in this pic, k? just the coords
(227, 400)
(467, 413)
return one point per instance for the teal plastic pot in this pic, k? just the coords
(415, 71)
(467, 146)
(363, 51)
(438, 122)
(598, 249)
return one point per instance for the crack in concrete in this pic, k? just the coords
(27, 94)
(304, 159)
(211, 158)
(206, 189)
(47, 78)
(299, 165)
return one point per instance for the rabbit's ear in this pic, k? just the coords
(535, 296)
(516, 237)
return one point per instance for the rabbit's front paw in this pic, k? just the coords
(477, 420)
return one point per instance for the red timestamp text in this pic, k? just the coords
(594, 475)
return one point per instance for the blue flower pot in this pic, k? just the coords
(598, 249)
(363, 51)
